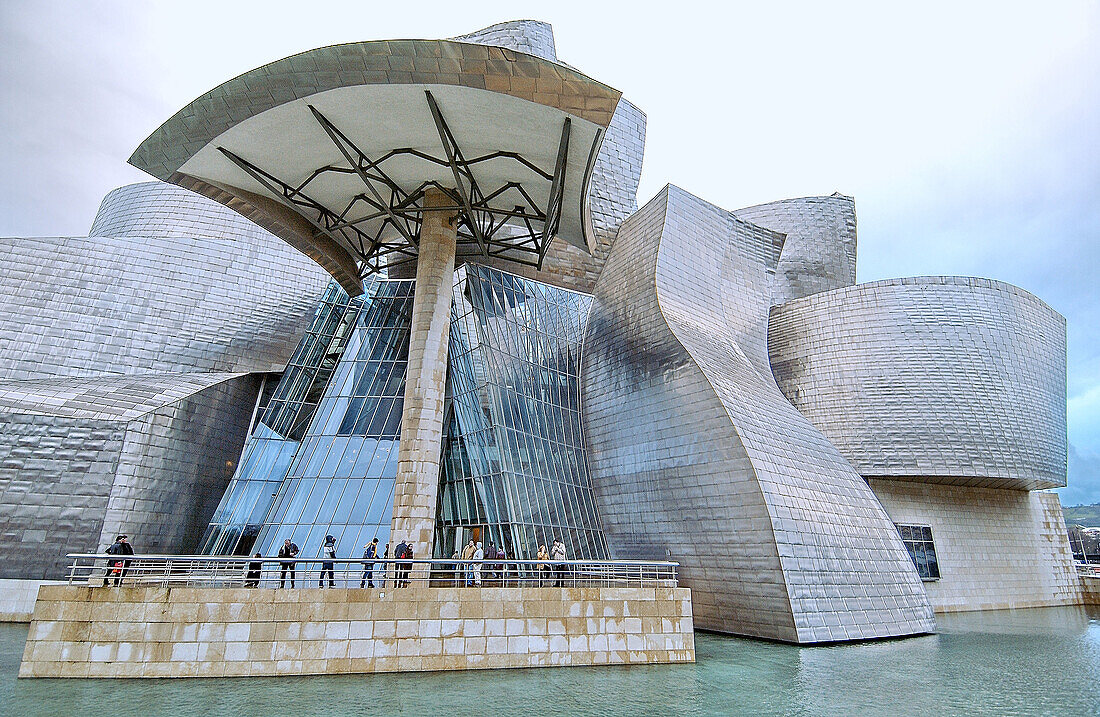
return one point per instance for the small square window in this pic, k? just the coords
(918, 541)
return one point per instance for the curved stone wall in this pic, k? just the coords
(695, 454)
(819, 251)
(937, 379)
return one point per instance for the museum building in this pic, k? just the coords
(403, 289)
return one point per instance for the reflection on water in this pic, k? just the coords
(1044, 661)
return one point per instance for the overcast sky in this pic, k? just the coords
(968, 133)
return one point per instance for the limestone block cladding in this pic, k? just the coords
(417, 486)
(193, 632)
(996, 549)
(695, 453)
(946, 379)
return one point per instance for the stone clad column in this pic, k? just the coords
(414, 501)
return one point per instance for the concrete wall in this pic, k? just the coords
(996, 548)
(197, 632)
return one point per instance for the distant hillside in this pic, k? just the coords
(1086, 515)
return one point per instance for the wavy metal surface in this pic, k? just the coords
(696, 454)
(936, 379)
(819, 246)
(174, 298)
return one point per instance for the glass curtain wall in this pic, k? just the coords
(341, 480)
(281, 424)
(514, 471)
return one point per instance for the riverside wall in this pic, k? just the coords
(79, 631)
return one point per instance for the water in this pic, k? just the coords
(1044, 661)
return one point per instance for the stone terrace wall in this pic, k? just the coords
(1090, 590)
(199, 632)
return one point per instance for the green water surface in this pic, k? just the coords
(1021, 662)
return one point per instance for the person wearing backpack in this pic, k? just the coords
(117, 568)
(400, 553)
(370, 553)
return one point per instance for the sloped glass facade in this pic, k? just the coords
(514, 471)
(322, 459)
(341, 480)
(282, 423)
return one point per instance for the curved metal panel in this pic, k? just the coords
(819, 248)
(696, 454)
(178, 297)
(938, 379)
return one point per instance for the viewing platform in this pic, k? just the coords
(202, 616)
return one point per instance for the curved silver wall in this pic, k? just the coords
(128, 371)
(189, 286)
(941, 379)
(819, 248)
(159, 209)
(695, 454)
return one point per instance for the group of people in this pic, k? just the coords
(403, 551)
(550, 565)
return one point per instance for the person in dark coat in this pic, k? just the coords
(289, 550)
(401, 552)
(117, 568)
(255, 568)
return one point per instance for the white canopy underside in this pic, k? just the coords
(289, 143)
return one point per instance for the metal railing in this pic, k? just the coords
(241, 571)
(1088, 570)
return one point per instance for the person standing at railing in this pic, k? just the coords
(370, 553)
(403, 551)
(479, 555)
(328, 551)
(543, 567)
(255, 568)
(117, 568)
(385, 564)
(557, 555)
(289, 550)
(468, 554)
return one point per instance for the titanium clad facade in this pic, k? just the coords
(819, 246)
(937, 379)
(119, 455)
(514, 464)
(779, 536)
(160, 301)
(130, 366)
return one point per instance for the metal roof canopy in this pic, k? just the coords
(332, 150)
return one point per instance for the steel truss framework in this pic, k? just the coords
(521, 234)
